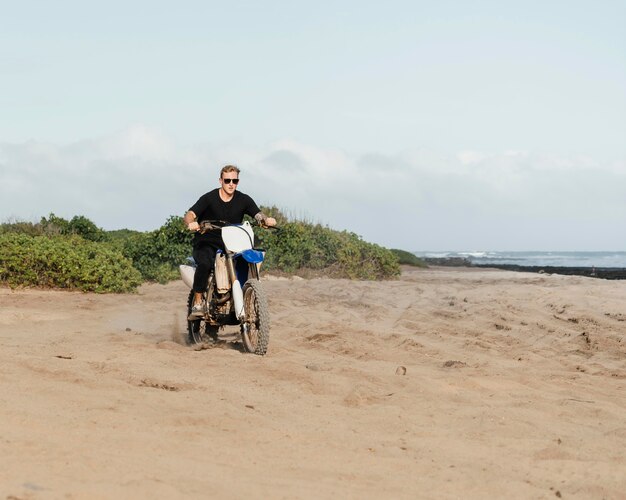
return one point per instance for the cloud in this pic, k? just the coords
(415, 199)
(470, 157)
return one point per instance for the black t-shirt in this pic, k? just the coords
(211, 207)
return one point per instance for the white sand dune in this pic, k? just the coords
(446, 383)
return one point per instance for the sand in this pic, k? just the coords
(445, 383)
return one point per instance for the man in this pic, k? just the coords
(225, 204)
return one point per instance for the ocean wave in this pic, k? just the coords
(475, 255)
(537, 258)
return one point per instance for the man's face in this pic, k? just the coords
(227, 182)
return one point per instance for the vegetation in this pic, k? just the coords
(64, 262)
(157, 254)
(408, 258)
(77, 254)
(300, 246)
(78, 225)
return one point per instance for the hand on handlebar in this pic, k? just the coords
(267, 223)
(214, 225)
(202, 226)
(211, 225)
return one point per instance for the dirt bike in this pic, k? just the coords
(226, 301)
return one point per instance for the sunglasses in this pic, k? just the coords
(228, 181)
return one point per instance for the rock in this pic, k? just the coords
(317, 368)
(448, 261)
(607, 273)
(401, 370)
(454, 364)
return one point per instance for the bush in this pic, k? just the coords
(79, 225)
(21, 227)
(302, 246)
(78, 254)
(64, 262)
(157, 254)
(408, 258)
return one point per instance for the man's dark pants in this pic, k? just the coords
(204, 255)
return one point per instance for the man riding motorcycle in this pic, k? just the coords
(225, 204)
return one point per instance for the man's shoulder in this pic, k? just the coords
(206, 198)
(242, 196)
(210, 196)
(247, 200)
(212, 193)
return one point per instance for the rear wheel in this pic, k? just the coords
(255, 330)
(199, 331)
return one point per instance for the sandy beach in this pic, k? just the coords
(444, 383)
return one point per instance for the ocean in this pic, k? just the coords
(557, 259)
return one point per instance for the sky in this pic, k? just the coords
(450, 125)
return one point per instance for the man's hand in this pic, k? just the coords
(264, 221)
(193, 226)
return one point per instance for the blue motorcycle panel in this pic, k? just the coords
(252, 256)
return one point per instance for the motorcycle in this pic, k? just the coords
(226, 301)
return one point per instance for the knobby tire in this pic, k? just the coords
(257, 336)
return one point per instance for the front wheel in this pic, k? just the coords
(255, 328)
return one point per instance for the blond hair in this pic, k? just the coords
(229, 168)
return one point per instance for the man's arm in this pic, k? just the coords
(253, 210)
(190, 221)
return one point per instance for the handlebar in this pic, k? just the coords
(214, 225)
(211, 225)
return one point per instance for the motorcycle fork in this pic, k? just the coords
(230, 268)
(253, 271)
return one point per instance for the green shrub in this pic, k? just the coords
(157, 254)
(120, 235)
(301, 246)
(361, 260)
(64, 262)
(408, 258)
(79, 225)
(22, 228)
(78, 254)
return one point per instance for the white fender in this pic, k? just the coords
(238, 300)
(238, 237)
(187, 273)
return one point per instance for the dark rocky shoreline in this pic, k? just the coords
(607, 273)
